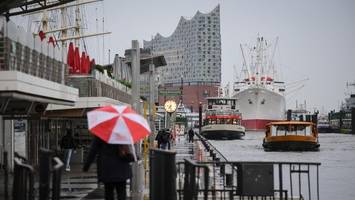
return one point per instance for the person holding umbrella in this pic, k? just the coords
(116, 128)
(113, 168)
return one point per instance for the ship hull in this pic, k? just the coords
(260, 106)
(222, 132)
(291, 143)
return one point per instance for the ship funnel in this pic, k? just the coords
(289, 115)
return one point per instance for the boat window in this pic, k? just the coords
(290, 130)
(308, 130)
(274, 130)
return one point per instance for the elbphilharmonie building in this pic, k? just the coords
(193, 56)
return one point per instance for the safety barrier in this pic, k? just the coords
(23, 185)
(50, 172)
(247, 180)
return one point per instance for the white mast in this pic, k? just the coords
(245, 66)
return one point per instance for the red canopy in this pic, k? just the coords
(82, 63)
(70, 58)
(76, 60)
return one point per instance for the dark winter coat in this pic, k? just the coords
(191, 133)
(67, 142)
(112, 166)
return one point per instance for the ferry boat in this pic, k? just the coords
(259, 92)
(222, 119)
(291, 136)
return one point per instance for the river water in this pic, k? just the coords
(336, 155)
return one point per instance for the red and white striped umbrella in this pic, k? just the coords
(118, 124)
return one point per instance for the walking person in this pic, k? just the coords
(166, 139)
(113, 168)
(68, 145)
(158, 138)
(191, 135)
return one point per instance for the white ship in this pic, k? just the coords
(222, 119)
(259, 92)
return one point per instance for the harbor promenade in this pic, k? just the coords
(77, 184)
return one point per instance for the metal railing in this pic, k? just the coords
(23, 185)
(50, 172)
(247, 180)
(213, 151)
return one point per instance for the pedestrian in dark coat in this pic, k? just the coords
(191, 135)
(67, 144)
(159, 137)
(113, 168)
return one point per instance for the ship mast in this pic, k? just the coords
(246, 69)
(64, 27)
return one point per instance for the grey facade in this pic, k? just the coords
(192, 52)
(121, 70)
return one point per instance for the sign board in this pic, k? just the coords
(169, 93)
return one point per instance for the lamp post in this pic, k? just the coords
(137, 167)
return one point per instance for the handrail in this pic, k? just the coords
(209, 147)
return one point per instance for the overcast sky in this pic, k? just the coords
(316, 38)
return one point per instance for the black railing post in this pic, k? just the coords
(189, 182)
(206, 182)
(280, 181)
(162, 175)
(6, 175)
(353, 120)
(45, 164)
(199, 117)
(57, 174)
(23, 185)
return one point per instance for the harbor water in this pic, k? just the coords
(336, 155)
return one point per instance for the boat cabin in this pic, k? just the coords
(220, 103)
(291, 135)
(291, 128)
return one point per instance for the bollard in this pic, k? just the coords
(45, 164)
(162, 175)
